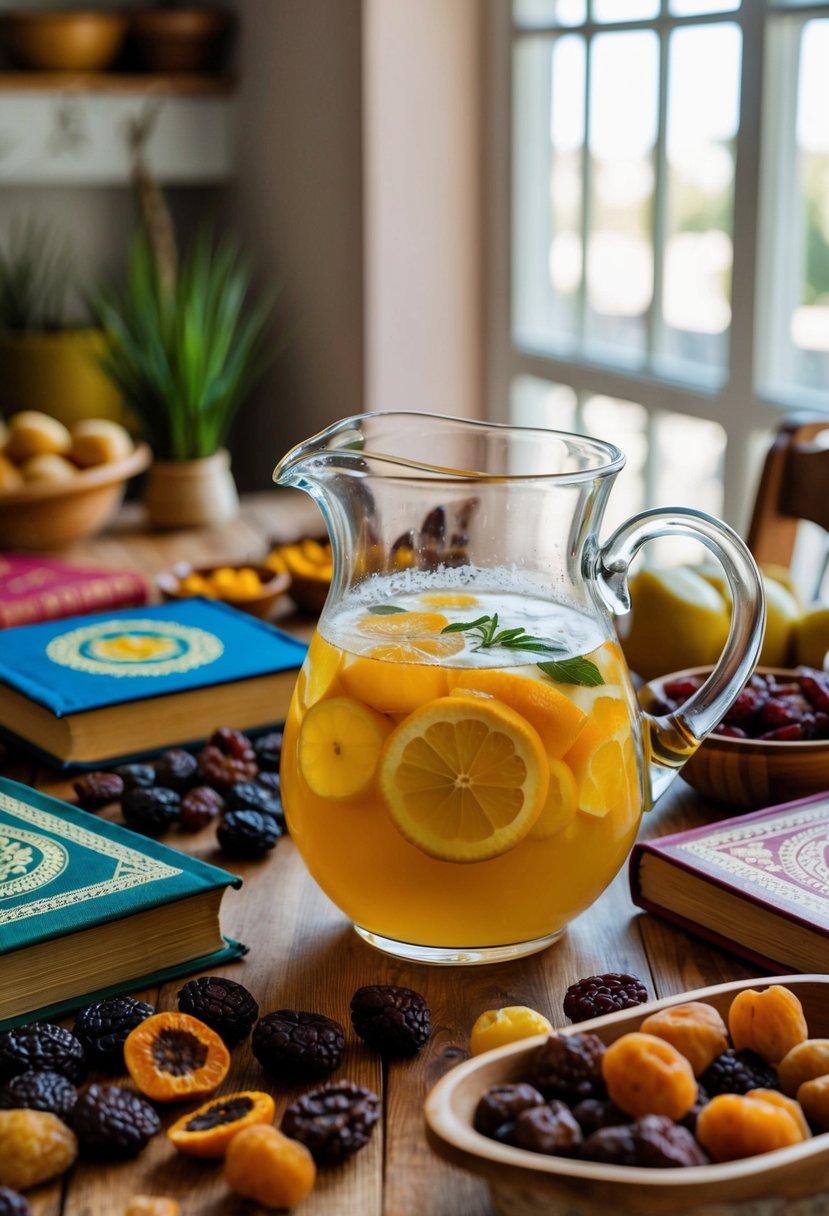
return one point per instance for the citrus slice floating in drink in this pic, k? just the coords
(561, 804)
(450, 599)
(464, 779)
(557, 719)
(601, 759)
(380, 681)
(339, 747)
(318, 677)
(402, 624)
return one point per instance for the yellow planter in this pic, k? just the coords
(57, 373)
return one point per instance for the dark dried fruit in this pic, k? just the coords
(569, 1067)
(611, 1145)
(253, 796)
(12, 1203)
(40, 1091)
(103, 1026)
(268, 749)
(208, 1131)
(502, 1104)
(271, 782)
(298, 1046)
(95, 790)
(547, 1129)
(152, 811)
(334, 1121)
(594, 1113)
(600, 994)
(200, 806)
(228, 759)
(393, 1021)
(113, 1123)
(663, 1144)
(136, 776)
(222, 1004)
(177, 769)
(246, 835)
(41, 1047)
(736, 1072)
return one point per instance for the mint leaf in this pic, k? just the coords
(386, 609)
(573, 671)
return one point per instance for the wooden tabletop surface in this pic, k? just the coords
(303, 955)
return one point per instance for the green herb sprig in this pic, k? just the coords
(576, 670)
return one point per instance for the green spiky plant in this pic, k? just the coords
(185, 343)
(36, 275)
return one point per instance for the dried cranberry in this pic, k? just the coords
(200, 806)
(177, 769)
(95, 790)
(747, 705)
(682, 687)
(779, 711)
(502, 1104)
(293, 1045)
(549, 1129)
(731, 732)
(393, 1021)
(784, 734)
(815, 686)
(333, 1122)
(222, 1004)
(40, 1091)
(111, 1122)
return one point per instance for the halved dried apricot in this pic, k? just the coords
(207, 1131)
(173, 1056)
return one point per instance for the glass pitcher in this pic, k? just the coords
(464, 762)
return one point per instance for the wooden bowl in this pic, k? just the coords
(45, 516)
(68, 40)
(750, 772)
(529, 1184)
(262, 605)
(181, 39)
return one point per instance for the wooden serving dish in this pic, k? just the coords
(262, 605)
(750, 772)
(529, 1184)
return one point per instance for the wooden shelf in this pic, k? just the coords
(182, 84)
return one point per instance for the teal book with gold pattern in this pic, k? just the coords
(89, 908)
(102, 688)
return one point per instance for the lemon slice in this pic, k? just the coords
(403, 624)
(450, 599)
(603, 759)
(561, 805)
(557, 719)
(380, 682)
(464, 779)
(320, 670)
(340, 741)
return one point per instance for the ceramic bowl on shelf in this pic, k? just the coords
(748, 772)
(249, 586)
(524, 1183)
(67, 40)
(49, 515)
(181, 39)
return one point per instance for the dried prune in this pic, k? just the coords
(569, 1067)
(228, 759)
(611, 1145)
(225, 1006)
(663, 1144)
(253, 796)
(41, 1047)
(333, 1121)
(247, 835)
(40, 1091)
(393, 1021)
(112, 1122)
(176, 769)
(94, 790)
(136, 776)
(298, 1046)
(103, 1026)
(502, 1104)
(600, 994)
(547, 1129)
(591, 1114)
(12, 1203)
(200, 806)
(151, 812)
(268, 749)
(271, 782)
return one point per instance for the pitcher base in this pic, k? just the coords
(453, 956)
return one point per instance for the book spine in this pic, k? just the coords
(50, 604)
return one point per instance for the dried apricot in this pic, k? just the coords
(35, 1146)
(695, 1029)
(207, 1131)
(496, 1027)
(813, 1097)
(732, 1126)
(770, 1023)
(152, 1205)
(173, 1056)
(794, 1108)
(646, 1075)
(268, 1167)
(804, 1062)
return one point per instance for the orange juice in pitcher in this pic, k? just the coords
(464, 763)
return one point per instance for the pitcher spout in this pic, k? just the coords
(304, 465)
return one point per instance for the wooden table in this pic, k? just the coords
(304, 956)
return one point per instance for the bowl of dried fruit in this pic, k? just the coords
(771, 746)
(309, 564)
(715, 1100)
(251, 587)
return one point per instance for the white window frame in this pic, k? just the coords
(743, 405)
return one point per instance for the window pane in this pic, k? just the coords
(701, 144)
(687, 458)
(693, 8)
(624, 10)
(625, 424)
(538, 14)
(622, 134)
(535, 402)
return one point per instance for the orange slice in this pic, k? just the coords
(561, 805)
(602, 758)
(464, 779)
(402, 624)
(450, 599)
(318, 677)
(340, 741)
(556, 718)
(381, 681)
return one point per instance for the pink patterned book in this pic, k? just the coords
(757, 884)
(34, 588)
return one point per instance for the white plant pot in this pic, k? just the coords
(191, 493)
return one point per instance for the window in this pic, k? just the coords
(663, 239)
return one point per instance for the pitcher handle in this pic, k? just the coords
(670, 739)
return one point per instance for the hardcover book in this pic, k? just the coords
(89, 908)
(34, 588)
(757, 884)
(102, 688)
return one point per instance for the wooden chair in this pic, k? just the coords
(793, 486)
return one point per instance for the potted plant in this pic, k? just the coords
(49, 362)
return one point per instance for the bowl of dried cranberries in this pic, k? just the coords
(713, 1100)
(771, 746)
